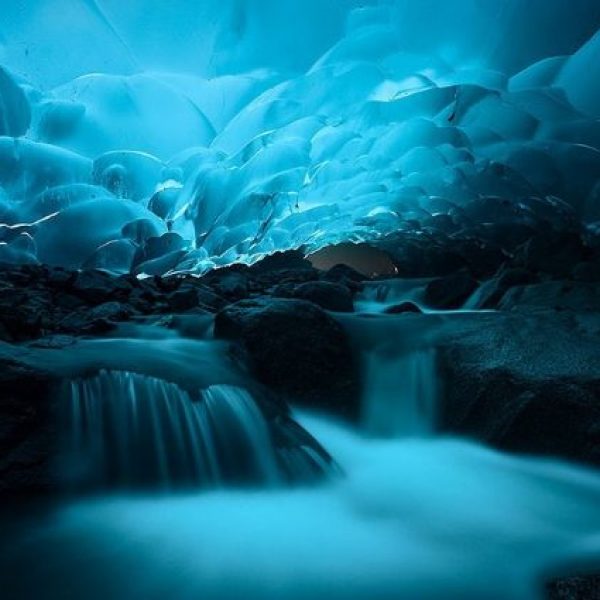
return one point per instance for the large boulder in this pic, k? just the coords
(295, 348)
(554, 417)
(525, 383)
(330, 296)
(27, 427)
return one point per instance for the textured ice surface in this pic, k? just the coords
(248, 127)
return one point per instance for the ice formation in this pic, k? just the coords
(182, 136)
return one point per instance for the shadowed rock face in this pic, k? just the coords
(335, 297)
(575, 588)
(526, 382)
(451, 291)
(28, 436)
(295, 347)
(557, 417)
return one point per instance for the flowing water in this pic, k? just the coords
(128, 430)
(401, 393)
(414, 516)
(414, 519)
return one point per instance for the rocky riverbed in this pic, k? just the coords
(516, 352)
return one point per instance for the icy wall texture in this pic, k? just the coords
(160, 136)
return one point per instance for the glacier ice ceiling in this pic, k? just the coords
(178, 136)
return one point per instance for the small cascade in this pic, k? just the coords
(129, 431)
(401, 393)
(378, 295)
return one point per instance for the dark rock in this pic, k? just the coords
(167, 284)
(295, 348)
(587, 271)
(575, 588)
(27, 429)
(113, 311)
(183, 299)
(450, 292)
(402, 308)
(554, 295)
(553, 253)
(61, 278)
(208, 299)
(191, 294)
(555, 417)
(424, 257)
(291, 276)
(330, 296)
(22, 313)
(491, 292)
(93, 286)
(507, 235)
(283, 290)
(483, 259)
(68, 302)
(98, 320)
(232, 285)
(526, 384)
(344, 274)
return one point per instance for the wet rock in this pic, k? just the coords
(98, 320)
(525, 382)
(295, 348)
(68, 302)
(60, 278)
(93, 286)
(330, 296)
(554, 295)
(191, 295)
(491, 292)
(23, 314)
(403, 308)
(553, 253)
(27, 429)
(450, 292)
(232, 285)
(575, 588)
(558, 417)
(113, 311)
(587, 271)
(183, 299)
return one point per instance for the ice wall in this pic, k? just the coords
(185, 135)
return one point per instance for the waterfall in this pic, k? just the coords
(130, 430)
(401, 393)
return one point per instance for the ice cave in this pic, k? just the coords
(300, 299)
